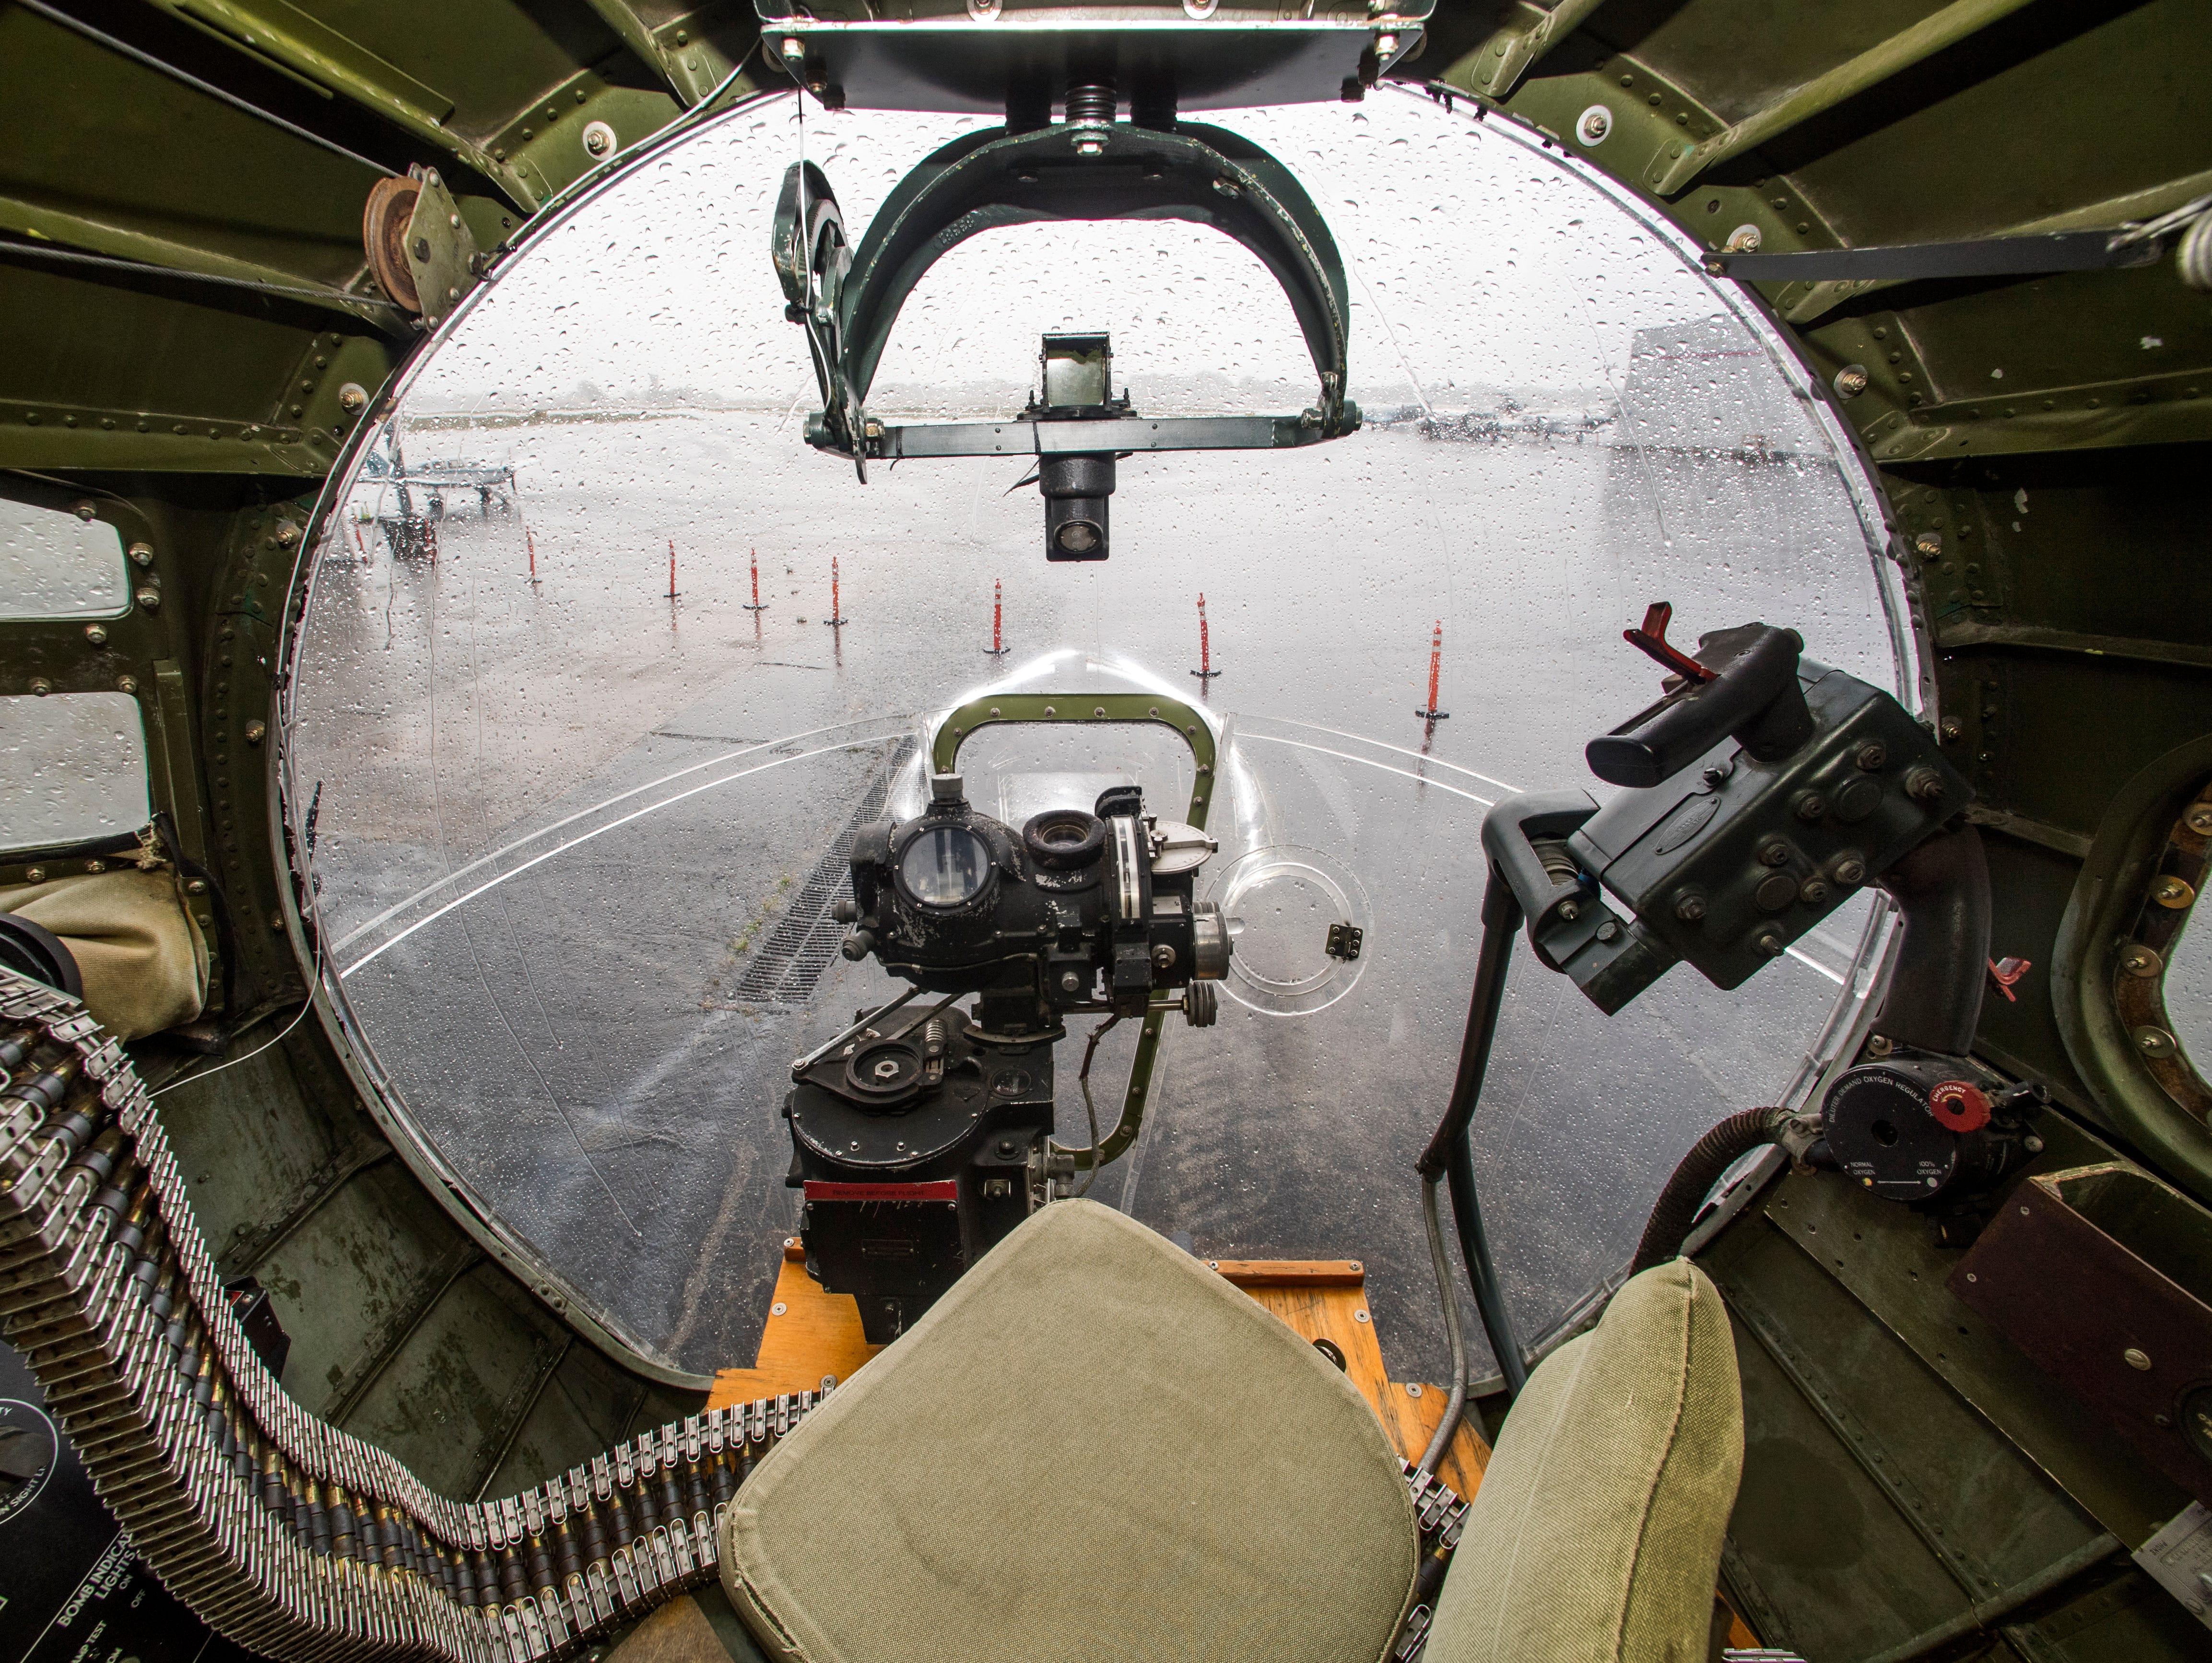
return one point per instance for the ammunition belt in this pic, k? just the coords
(287, 1534)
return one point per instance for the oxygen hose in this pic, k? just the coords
(1676, 1209)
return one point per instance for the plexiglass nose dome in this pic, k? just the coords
(585, 726)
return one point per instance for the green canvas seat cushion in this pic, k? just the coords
(1092, 1449)
(145, 966)
(1596, 1532)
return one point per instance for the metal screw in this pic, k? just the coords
(2199, 819)
(1773, 852)
(1850, 870)
(36, 875)
(2141, 961)
(196, 886)
(2033, 1145)
(96, 634)
(1690, 908)
(142, 554)
(1070, 982)
(1163, 957)
(1929, 545)
(1851, 381)
(1413, 1388)
(126, 683)
(84, 511)
(1952, 728)
(1812, 892)
(256, 732)
(1609, 930)
(1810, 807)
(1923, 785)
(1880, 1045)
(1090, 145)
(2154, 1042)
(1715, 774)
(1744, 239)
(1360, 1316)
(352, 396)
(1871, 756)
(41, 686)
(2136, 1359)
(1771, 944)
(2172, 891)
(778, 1308)
(150, 599)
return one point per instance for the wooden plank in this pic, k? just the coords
(809, 1333)
(1291, 1272)
(1410, 1412)
(1319, 1307)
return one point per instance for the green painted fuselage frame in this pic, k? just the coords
(1051, 709)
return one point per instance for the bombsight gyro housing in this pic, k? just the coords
(921, 1134)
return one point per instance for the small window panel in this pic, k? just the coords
(55, 565)
(72, 768)
(2188, 990)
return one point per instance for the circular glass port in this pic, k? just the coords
(1297, 922)
(945, 867)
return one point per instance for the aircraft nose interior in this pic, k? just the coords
(1526, 992)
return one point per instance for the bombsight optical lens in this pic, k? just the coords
(945, 867)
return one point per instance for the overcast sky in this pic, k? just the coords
(1479, 268)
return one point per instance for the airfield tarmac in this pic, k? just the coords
(565, 828)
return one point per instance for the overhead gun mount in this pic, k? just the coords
(1090, 167)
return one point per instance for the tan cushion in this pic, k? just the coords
(145, 968)
(1092, 1449)
(1596, 1532)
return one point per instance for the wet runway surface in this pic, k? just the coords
(564, 826)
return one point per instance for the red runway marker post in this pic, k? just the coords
(671, 569)
(1436, 667)
(998, 646)
(836, 618)
(756, 604)
(1206, 671)
(530, 543)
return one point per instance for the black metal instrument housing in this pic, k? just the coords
(1038, 939)
(1885, 1124)
(1804, 794)
(905, 1192)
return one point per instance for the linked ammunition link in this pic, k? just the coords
(287, 1534)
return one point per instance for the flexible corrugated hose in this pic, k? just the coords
(1676, 1209)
